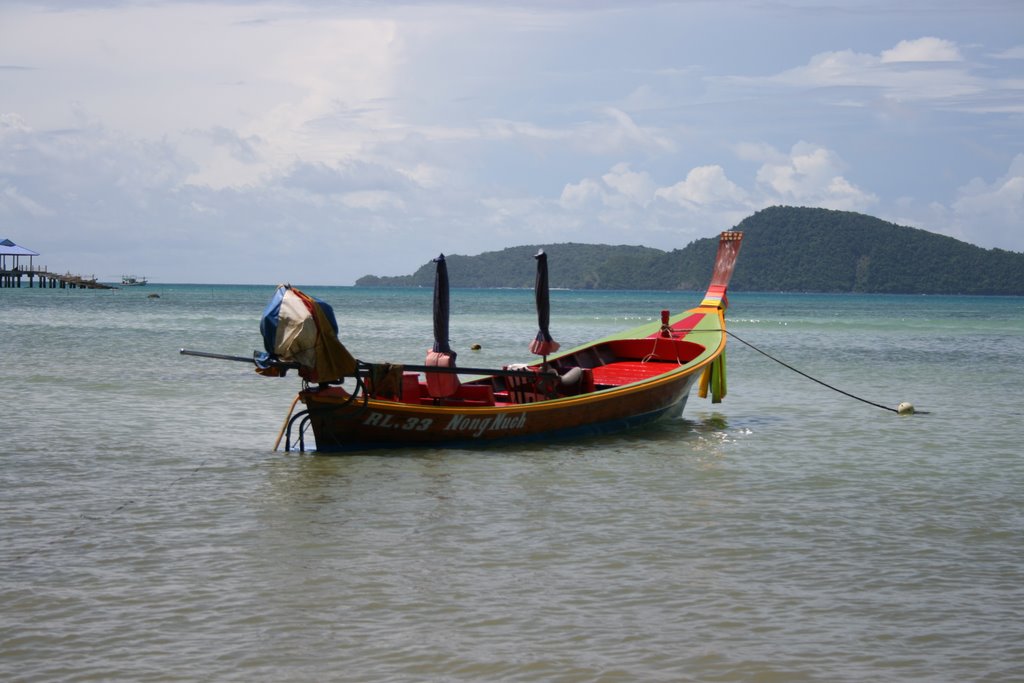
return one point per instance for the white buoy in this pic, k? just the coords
(905, 408)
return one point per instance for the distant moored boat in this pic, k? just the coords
(132, 281)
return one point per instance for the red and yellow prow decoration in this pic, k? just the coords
(725, 262)
(713, 377)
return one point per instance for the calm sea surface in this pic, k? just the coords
(149, 531)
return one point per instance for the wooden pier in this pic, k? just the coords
(13, 271)
(42, 278)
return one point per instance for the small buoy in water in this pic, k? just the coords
(905, 408)
(475, 347)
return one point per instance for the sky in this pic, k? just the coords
(314, 142)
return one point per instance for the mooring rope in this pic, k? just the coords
(804, 374)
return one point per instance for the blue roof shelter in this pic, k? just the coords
(9, 248)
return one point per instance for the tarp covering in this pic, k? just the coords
(300, 329)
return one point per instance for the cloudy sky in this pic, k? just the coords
(314, 142)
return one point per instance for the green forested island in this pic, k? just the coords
(784, 249)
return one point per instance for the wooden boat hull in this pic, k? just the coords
(383, 424)
(341, 424)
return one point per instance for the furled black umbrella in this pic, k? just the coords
(543, 344)
(442, 310)
(441, 355)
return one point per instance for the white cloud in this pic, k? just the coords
(927, 71)
(294, 85)
(988, 214)
(161, 125)
(11, 124)
(1015, 52)
(579, 195)
(705, 185)
(623, 133)
(612, 132)
(810, 176)
(845, 67)
(372, 200)
(12, 200)
(993, 213)
(922, 50)
(619, 187)
(628, 186)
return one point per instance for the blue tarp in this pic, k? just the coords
(294, 329)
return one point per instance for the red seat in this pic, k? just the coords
(627, 371)
(467, 395)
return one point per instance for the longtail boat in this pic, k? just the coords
(618, 382)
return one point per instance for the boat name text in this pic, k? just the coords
(479, 425)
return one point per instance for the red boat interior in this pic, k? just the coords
(594, 368)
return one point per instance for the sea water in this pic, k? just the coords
(149, 531)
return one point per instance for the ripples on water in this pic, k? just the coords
(789, 534)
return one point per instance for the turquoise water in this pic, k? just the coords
(150, 532)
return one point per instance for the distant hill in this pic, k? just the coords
(573, 266)
(784, 249)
